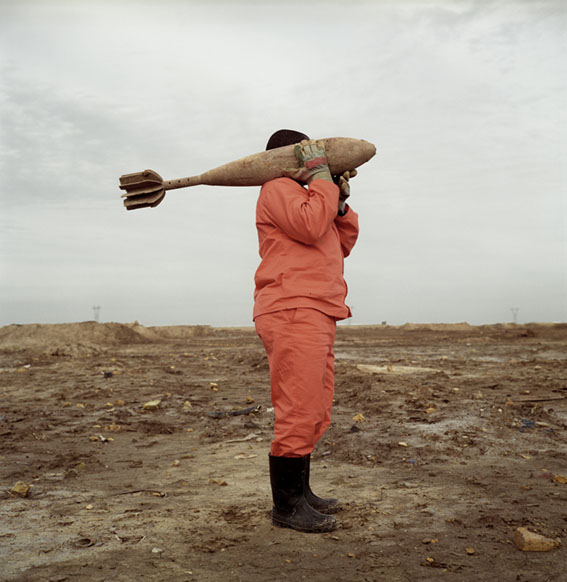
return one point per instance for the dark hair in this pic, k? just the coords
(284, 137)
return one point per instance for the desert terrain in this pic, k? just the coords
(122, 458)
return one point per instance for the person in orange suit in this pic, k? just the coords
(305, 230)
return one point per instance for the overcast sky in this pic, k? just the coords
(463, 211)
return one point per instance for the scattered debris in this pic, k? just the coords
(545, 474)
(521, 399)
(433, 563)
(152, 405)
(224, 413)
(153, 492)
(127, 538)
(252, 436)
(100, 438)
(113, 428)
(528, 541)
(21, 489)
(526, 423)
(83, 543)
(396, 370)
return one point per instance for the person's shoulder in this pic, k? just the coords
(281, 184)
(283, 181)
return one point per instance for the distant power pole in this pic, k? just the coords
(96, 311)
(515, 311)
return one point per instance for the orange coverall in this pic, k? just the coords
(300, 294)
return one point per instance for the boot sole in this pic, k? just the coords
(323, 528)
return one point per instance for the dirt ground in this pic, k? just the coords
(444, 440)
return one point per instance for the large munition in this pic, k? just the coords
(147, 188)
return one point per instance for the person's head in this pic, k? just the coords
(285, 137)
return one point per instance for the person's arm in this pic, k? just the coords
(342, 181)
(347, 219)
(304, 215)
(347, 225)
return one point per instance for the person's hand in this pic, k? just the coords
(342, 181)
(312, 163)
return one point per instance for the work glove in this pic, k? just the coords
(312, 163)
(342, 181)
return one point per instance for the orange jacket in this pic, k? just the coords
(303, 243)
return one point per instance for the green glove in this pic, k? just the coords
(312, 162)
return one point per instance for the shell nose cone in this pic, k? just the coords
(364, 150)
(368, 148)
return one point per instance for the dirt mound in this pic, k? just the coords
(463, 326)
(180, 331)
(71, 339)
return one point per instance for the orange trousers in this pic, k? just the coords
(299, 345)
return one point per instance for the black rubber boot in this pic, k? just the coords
(330, 505)
(287, 477)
